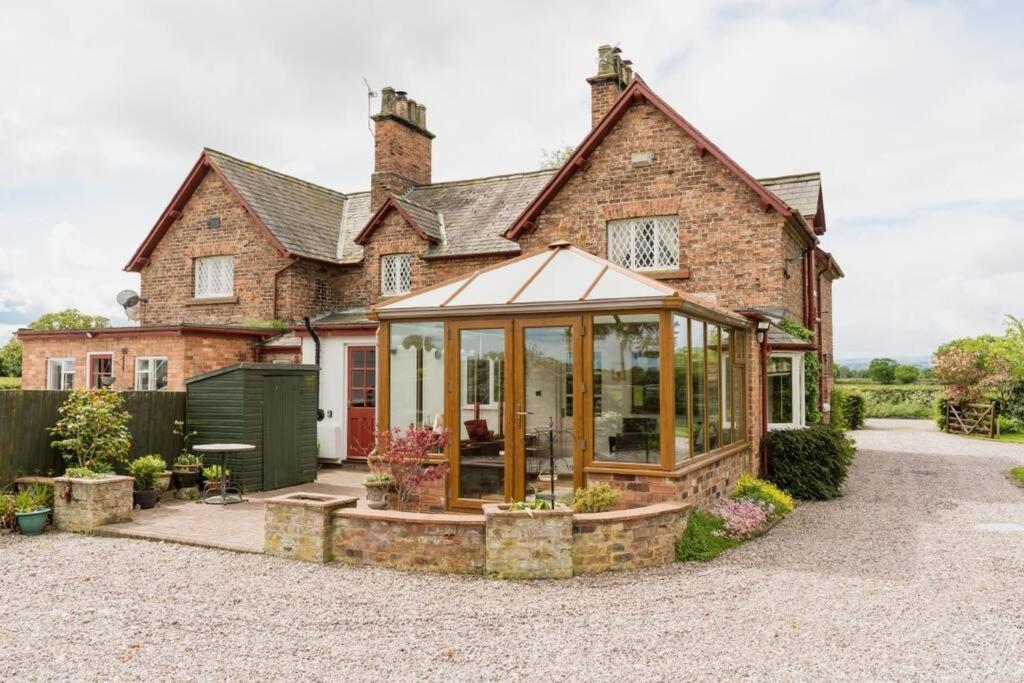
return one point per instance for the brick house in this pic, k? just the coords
(239, 246)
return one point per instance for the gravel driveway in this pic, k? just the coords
(916, 573)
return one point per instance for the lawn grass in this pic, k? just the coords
(868, 385)
(10, 383)
(1018, 474)
(1008, 438)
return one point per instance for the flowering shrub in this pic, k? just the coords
(404, 456)
(765, 492)
(741, 518)
(962, 374)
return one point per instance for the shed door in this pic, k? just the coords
(362, 399)
(282, 465)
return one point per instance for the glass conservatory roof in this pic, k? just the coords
(561, 278)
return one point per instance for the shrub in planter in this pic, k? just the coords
(747, 487)
(405, 456)
(187, 467)
(145, 471)
(596, 498)
(32, 508)
(7, 518)
(93, 429)
(810, 463)
(704, 538)
(855, 411)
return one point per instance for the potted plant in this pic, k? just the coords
(187, 467)
(406, 458)
(212, 475)
(31, 507)
(145, 471)
(377, 484)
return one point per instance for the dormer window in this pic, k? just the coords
(395, 274)
(215, 277)
(650, 243)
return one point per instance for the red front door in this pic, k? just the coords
(362, 399)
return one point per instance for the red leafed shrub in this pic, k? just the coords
(404, 457)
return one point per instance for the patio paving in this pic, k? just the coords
(236, 527)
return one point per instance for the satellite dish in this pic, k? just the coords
(127, 298)
(130, 301)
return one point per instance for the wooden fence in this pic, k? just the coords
(25, 417)
(972, 418)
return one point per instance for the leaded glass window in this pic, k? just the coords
(644, 243)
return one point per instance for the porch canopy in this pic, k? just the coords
(557, 364)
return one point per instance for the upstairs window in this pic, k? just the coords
(60, 374)
(215, 277)
(150, 373)
(644, 243)
(395, 274)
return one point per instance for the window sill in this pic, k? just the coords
(682, 273)
(212, 300)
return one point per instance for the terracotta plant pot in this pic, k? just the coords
(163, 481)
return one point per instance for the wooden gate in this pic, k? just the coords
(972, 418)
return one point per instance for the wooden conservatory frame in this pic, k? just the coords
(623, 293)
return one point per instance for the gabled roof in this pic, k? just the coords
(803, 192)
(638, 91)
(425, 222)
(562, 277)
(300, 218)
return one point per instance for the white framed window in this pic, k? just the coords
(395, 274)
(786, 390)
(150, 373)
(215, 277)
(650, 243)
(60, 374)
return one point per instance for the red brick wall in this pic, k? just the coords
(310, 288)
(168, 280)
(401, 159)
(733, 247)
(187, 355)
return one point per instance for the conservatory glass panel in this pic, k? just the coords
(626, 388)
(697, 387)
(417, 375)
(681, 363)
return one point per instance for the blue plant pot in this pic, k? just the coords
(32, 523)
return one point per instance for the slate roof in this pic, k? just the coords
(799, 191)
(464, 217)
(304, 217)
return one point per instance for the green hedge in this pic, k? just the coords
(837, 403)
(809, 463)
(855, 411)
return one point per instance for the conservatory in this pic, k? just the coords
(559, 368)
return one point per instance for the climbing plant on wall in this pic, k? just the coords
(812, 370)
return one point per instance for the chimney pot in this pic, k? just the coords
(613, 75)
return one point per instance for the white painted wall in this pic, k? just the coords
(332, 431)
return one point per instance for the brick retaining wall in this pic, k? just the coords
(409, 540)
(627, 539)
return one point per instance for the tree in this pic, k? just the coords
(92, 430)
(554, 158)
(10, 358)
(906, 374)
(882, 370)
(68, 319)
(962, 374)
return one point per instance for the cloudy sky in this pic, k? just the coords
(912, 111)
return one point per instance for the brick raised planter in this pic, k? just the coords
(528, 544)
(627, 539)
(84, 504)
(298, 525)
(409, 540)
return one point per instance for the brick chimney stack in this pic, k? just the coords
(613, 75)
(401, 148)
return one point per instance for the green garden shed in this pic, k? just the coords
(271, 406)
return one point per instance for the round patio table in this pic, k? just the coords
(223, 449)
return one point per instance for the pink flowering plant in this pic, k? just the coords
(741, 518)
(405, 458)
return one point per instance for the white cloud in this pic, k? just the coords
(907, 108)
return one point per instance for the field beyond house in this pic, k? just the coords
(10, 383)
(909, 401)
